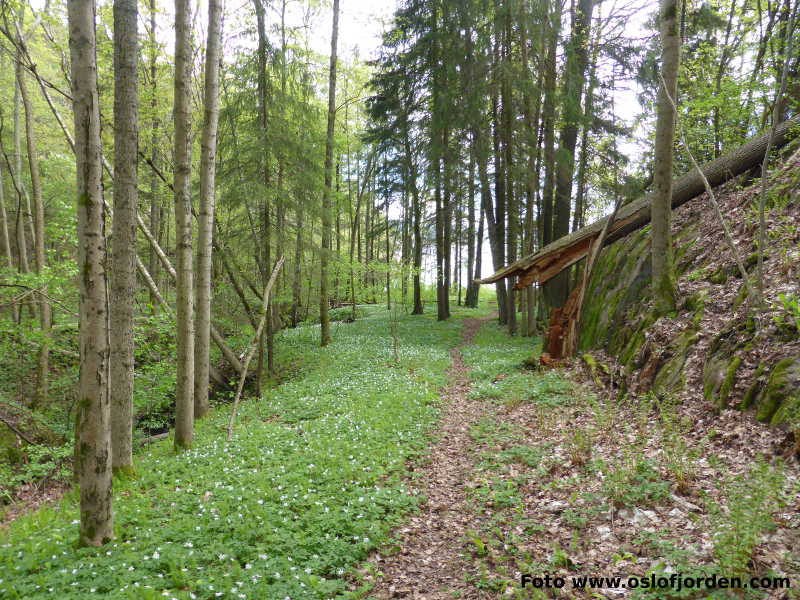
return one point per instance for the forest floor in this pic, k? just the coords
(446, 470)
(539, 473)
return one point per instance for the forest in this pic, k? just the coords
(423, 299)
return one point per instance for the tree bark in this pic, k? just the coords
(205, 221)
(184, 400)
(123, 251)
(508, 166)
(93, 438)
(267, 335)
(24, 220)
(663, 281)
(45, 311)
(548, 116)
(574, 71)
(325, 324)
(298, 259)
(6, 241)
(478, 257)
(471, 287)
(156, 210)
(494, 244)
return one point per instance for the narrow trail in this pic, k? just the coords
(429, 565)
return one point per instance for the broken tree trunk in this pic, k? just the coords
(564, 252)
(253, 344)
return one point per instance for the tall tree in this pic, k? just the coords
(156, 209)
(205, 231)
(664, 289)
(508, 119)
(557, 288)
(123, 251)
(325, 324)
(265, 241)
(184, 400)
(45, 311)
(93, 440)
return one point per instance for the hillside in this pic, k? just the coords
(713, 349)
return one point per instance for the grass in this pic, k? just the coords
(312, 481)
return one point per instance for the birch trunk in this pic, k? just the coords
(123, 250)
(93, 432)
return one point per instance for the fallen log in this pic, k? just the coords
(566, 251)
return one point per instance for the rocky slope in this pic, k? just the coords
(716, 347)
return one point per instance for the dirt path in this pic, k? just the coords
(429, 565)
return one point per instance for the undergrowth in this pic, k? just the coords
(312, 480)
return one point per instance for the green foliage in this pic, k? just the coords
(310, 484)
(589, 508)
(38, 464)
(751, 501)
(497, 494)
(636, 483)
(491, 431)
(679, 459)
(789, 312)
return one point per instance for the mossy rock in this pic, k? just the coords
(670, 374)
(779, 401)
(713, 374)
(751, 395)
(728, 382)
(724, 273)
(619, 285)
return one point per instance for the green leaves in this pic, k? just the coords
(286, 508)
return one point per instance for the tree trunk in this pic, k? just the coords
(205, 220)
(500, 203)
(123, 251)
(298, 258)
(663, 281)
(508, 166)
(324, 319)
(548, 117)
(93, 440)
(567, 251)
(265, 243)
(416, 209)
(6, 241)
(156, 210)
(184, 400)
(388, 257)
(494, 244)
(557, 289)
(468, 301)
(441, 292)
(45, 311)
(583, 162)
(24, 219)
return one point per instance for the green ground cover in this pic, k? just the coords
(312, 480)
